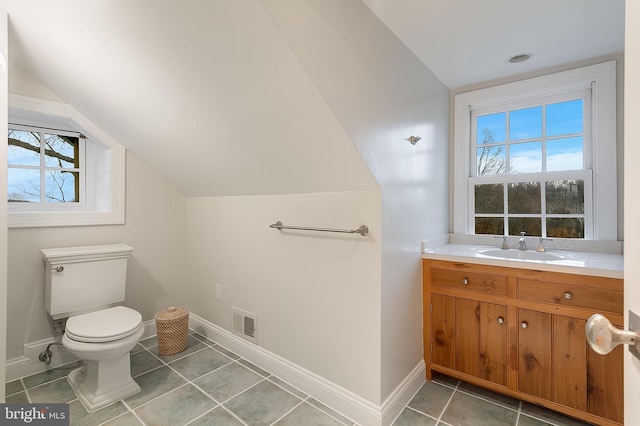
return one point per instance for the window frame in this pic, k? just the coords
(600, 156)
(541, 176)
(81, 203)
(104, 169)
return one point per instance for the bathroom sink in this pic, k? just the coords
(524, 255)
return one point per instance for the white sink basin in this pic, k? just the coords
(524, 255)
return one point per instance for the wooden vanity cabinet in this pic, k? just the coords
(534, 353)
(470, 337)
(521, 332)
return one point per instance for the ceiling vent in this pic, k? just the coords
(244, 325)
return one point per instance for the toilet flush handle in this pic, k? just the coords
(59, 268)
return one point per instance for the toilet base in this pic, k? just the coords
(99, 384)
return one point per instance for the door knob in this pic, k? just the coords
(603, 337)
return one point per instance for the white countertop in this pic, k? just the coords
(572, 262)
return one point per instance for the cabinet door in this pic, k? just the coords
(493, 343)
(481, 340)
(442, 330)
(468, 336)
(570, 362)
(534, 353)
(605, 384)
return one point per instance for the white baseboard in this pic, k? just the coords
(29, 363)
(149, 329)
(402, 395)
(347, 403)
(342, 400)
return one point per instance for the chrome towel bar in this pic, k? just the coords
(362, 230)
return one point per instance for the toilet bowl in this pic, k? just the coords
(86, 285)
(103, 339)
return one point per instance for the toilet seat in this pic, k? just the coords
(105, 325)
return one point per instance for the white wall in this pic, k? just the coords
(316, 295)
(155, 228)
(382, 94)
(22, 82)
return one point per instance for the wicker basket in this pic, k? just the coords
(172, 327)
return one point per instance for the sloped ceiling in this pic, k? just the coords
(209, 95)
(205, 92)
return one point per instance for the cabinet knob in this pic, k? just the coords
(500, 320)
(524, 324)
(465, 281)
(568, 295)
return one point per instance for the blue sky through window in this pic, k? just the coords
(495, 124)
(525, 123)
(560, 140)
(526, 157)
(565, 118)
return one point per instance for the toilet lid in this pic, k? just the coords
(105, 325)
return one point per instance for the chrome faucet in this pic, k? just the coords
(505, 243)
(541, 248)
(522, 243)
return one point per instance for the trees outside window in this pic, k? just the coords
(45, 166)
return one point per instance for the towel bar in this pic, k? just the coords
(362, 230)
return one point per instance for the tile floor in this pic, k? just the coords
(447, 401)
(209, 385)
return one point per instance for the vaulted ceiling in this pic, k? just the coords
(211, 95)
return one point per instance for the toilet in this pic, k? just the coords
(86, 286)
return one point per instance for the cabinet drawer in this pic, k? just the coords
(599, 299)
(472, 281)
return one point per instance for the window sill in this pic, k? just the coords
(49, 219)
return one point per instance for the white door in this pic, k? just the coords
(632, 201)
(4, 99)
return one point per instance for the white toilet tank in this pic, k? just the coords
(84, 279)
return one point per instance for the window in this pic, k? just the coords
(45, 166)
(62, 169)
(539, 157)
(529, 170)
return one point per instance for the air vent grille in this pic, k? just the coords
(250, 327)
(244, 324)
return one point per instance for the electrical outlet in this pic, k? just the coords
(219, 291)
